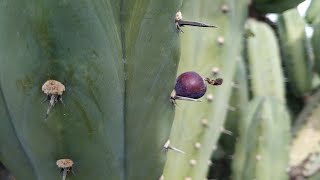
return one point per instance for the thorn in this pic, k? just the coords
(167, 147)
(179, 23)
(174, 97)
(187, 99)
(223, 130)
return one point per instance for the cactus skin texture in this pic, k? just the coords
(118, 61)
(293, 42)
(305, 148)
(274, 6)
(313, 18)
(238, 103)
(264, 60)
(312, 14)
(237, 108)
(200, 123)
(262, 149)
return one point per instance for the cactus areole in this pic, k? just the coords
(191, 85)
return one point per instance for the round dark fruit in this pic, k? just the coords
(191, 85)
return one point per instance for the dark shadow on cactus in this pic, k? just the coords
(4, 173)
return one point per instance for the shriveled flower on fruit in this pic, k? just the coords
(180, 23)
(54, 90)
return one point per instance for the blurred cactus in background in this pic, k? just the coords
(115, 114)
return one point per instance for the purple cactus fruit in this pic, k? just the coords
(190, 85)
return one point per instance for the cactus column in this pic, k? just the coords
(197, 125)
(117, 60)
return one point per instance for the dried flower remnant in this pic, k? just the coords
(54, 90)
(215, 82)
(180, 23)
(65, 165)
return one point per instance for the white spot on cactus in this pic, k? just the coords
(225, 8)
(209, 97)
(258, 157)
(220, 40)
(193, 162)
(210, 163)
(187, 178)
(197, 145)
(215, 71)
(204, 122)
(178, 16)
(214, 147)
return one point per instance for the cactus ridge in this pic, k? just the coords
(293, 42)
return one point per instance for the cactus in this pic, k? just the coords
(237, 105)
(262, 149)
(265, 71)
(274, 6)
(315, 44)
(197, 125)
(115, 116)
(293, 43)
(312, 15)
